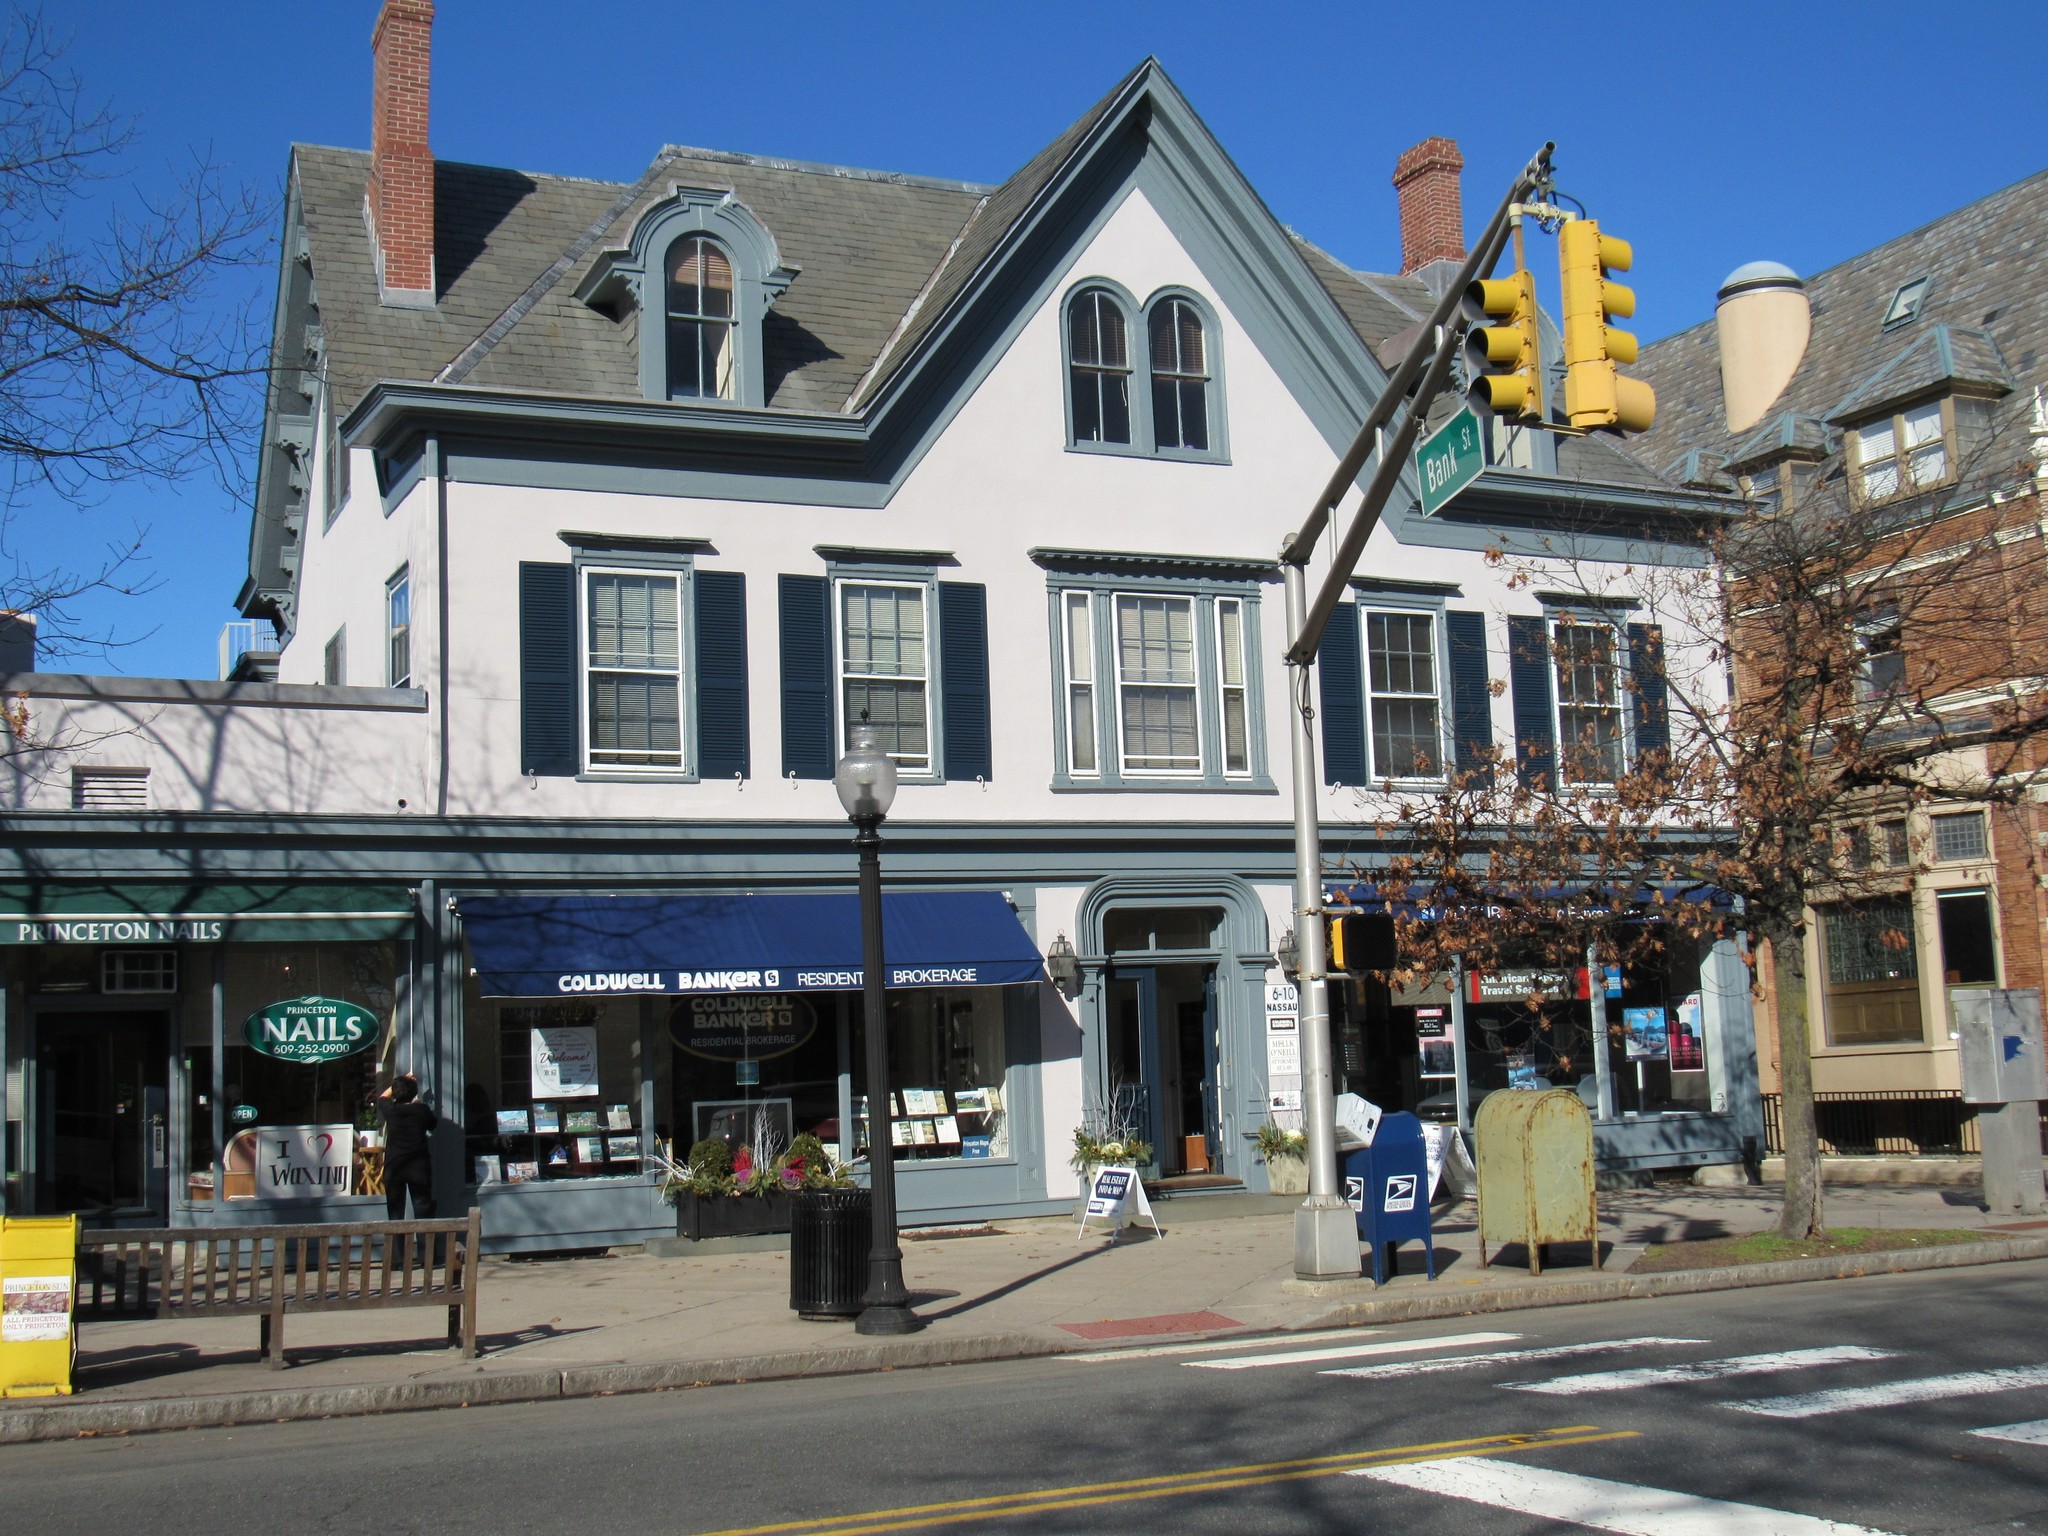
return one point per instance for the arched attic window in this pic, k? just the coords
(697, 276)
(1098, 368)
(1180, 376)
(700, 310)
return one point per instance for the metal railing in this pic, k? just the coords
(236, 637)
(1887, 1122)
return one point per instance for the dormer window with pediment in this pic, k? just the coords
(698, 275)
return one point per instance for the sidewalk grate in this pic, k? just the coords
(1148, 1327)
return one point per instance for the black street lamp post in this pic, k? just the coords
(866, 781)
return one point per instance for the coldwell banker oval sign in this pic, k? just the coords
(310, 1030)
(742, 1026)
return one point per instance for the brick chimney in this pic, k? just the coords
(1432, 210)
(400, 196)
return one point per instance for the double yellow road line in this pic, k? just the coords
(916, 1517)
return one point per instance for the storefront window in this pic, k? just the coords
(948, 1059)
(553, 1091)
(314, 1071)
(747, 1067)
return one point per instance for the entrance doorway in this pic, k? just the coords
(102, 1113)
(1161, 1059)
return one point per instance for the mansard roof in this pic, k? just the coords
(1981, 326)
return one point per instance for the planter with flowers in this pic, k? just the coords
(1285, 1154)
(723, 1192)
(1096, 1149)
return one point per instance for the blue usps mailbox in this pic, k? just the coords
(1387, 1184)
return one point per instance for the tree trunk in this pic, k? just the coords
(1801, 1216)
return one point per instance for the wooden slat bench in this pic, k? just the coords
(272, 1272)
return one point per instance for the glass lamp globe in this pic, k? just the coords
(865, 777)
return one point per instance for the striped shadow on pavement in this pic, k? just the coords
(1700, 1370)
(1925, 1389)
(1600, 1504)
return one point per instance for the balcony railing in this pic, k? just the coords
(237, 637)
(1890, 1122)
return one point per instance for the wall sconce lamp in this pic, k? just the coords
(1063, 965)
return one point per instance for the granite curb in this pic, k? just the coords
(25, 1421)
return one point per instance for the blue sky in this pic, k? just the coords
(1709, 135)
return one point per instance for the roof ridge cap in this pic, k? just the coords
(826, 168)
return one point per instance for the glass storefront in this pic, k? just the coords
(552, 1091)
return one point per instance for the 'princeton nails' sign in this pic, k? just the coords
(310, 1030)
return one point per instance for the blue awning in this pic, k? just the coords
(572, 946)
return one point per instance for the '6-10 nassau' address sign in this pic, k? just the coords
(310, 1030)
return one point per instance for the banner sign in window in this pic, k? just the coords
(564, 1058)
(310, 1030)
(742, 1026)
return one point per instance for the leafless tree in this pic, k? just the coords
(1884, 656)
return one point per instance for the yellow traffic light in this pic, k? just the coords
(1505, 360)
(1595, 393)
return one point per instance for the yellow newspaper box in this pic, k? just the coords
(38, 1258)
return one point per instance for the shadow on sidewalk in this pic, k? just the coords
(1011, 1287)
(102, 1368)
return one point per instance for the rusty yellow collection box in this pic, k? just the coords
(38, 1275)
(1535, 1173)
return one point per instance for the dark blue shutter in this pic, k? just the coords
(1529, 682)
(547, 669)
(1341, 679)
(722, 675)
(807, 706)
(963, 680)
(1646, 671)
(1471, 700)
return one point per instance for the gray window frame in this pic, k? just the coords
(1144, 443)
(682, 568)
(334, 659)
(395, 634)
(1625, 703)
(924, 580)
(1102, 589)
(1937, 820)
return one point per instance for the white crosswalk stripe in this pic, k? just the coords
(1598, 1503)
(1353, 1351)
(1924, 1389)
(2034, 1433)
(1505, 1356)
(1700, 1370)
(1210, 1346)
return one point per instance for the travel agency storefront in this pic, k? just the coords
(199, 1053)
(598, 1029)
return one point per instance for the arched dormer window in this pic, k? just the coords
(1180, 377)
(700, 320)
(698, 275)
(1175, 410)
(1098, 369)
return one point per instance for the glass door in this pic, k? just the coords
(1131, 1056)
(103, 1112)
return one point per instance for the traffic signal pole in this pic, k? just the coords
(1325, 1233)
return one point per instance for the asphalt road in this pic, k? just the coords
(1855, 1402)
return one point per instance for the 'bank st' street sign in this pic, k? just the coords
(1449, 459)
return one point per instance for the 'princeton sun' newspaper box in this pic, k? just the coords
(38, 1259)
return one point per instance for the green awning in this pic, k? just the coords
(104, 912)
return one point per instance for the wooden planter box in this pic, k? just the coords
(699, 1216)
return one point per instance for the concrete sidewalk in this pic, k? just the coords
(632, 1322)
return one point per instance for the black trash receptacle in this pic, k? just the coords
(831, 1233)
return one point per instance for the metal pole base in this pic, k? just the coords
(887, 1320)
(1326, 1240)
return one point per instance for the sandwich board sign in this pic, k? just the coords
(1117, 1195)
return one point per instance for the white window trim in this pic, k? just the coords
(1440, 649)
(1243, 688)
(402, 578)
(1069, 682)
(1623, 697)
(932, 771)
(1202, 708)
(686, 725)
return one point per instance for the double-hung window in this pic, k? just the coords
(632, 675)
(398, 629)
(1903, 452)
(1180, 377)
(1881, 658)
(885, 667)
(1157, 685)
(1405, 701)
(699, 294)
(1099, 368)
(1142, 380)
(1591, 722)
